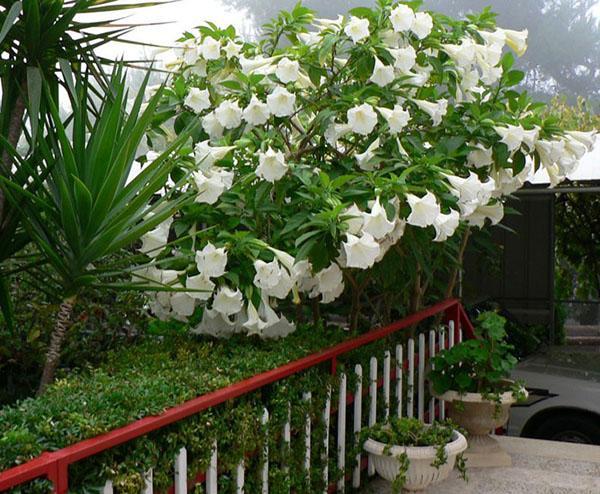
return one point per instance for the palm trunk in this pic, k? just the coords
(14, 133)
(63, 321)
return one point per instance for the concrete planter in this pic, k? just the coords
(420, 473)
(479, 417)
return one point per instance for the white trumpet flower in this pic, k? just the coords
(281, 102)
(257, 112)
(435, 110)
(357, 29)
(287, 70)
(445, 225)
(211, 184)
(424, 210)
(362, 119)
(211, 261)
(397, 118)
(422, 25)
(227, 301)
(382, 74)
(361, 252)
(272, 165)
(376, 222)
(402, 18)
(197, 99)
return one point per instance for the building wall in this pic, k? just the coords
(521, 277)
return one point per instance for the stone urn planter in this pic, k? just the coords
(480, 416)
(420, 473)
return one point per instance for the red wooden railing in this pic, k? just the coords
(55, 465)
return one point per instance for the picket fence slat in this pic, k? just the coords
(108, 487)
(432, 336)
(211, 474)
(399, 373)
(148, 480)
(307, 397)
(265, 459)
(357, 422)
(372, 403)
(240, 477)
(181, 472)
(411, 379)
(325, 455)
(421, 379)
(387, 362)
(341, 433)
(442, 345)
(287, 437)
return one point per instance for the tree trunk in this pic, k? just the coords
(316, 311)
(461, 255)
(355, 309)
(63, 321)
(14, 133)
(454, 276)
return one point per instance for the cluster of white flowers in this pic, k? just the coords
(267, 120)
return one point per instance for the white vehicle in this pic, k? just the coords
(563, 403)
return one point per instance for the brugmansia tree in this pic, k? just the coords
(88, 203)
(368, 141)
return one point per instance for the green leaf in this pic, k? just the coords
(84, 200)
(362, 12)
(34, 92)
(11, 17)
(513, 77)
(508, 61)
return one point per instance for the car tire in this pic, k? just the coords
(569, 427)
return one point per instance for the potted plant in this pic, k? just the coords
(413, 455)
(473, 378)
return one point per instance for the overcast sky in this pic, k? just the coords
(186, 14)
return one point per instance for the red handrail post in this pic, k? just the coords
(466, 324)
(333, 366)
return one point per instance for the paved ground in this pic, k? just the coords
(539, 467)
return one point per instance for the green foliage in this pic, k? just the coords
(481, 365)
(525, 339)
(413, 432)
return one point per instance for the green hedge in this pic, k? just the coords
(161, 372)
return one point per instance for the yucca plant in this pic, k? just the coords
(85, 209)
(43, 40)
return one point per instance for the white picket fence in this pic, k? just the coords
(426, 348)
